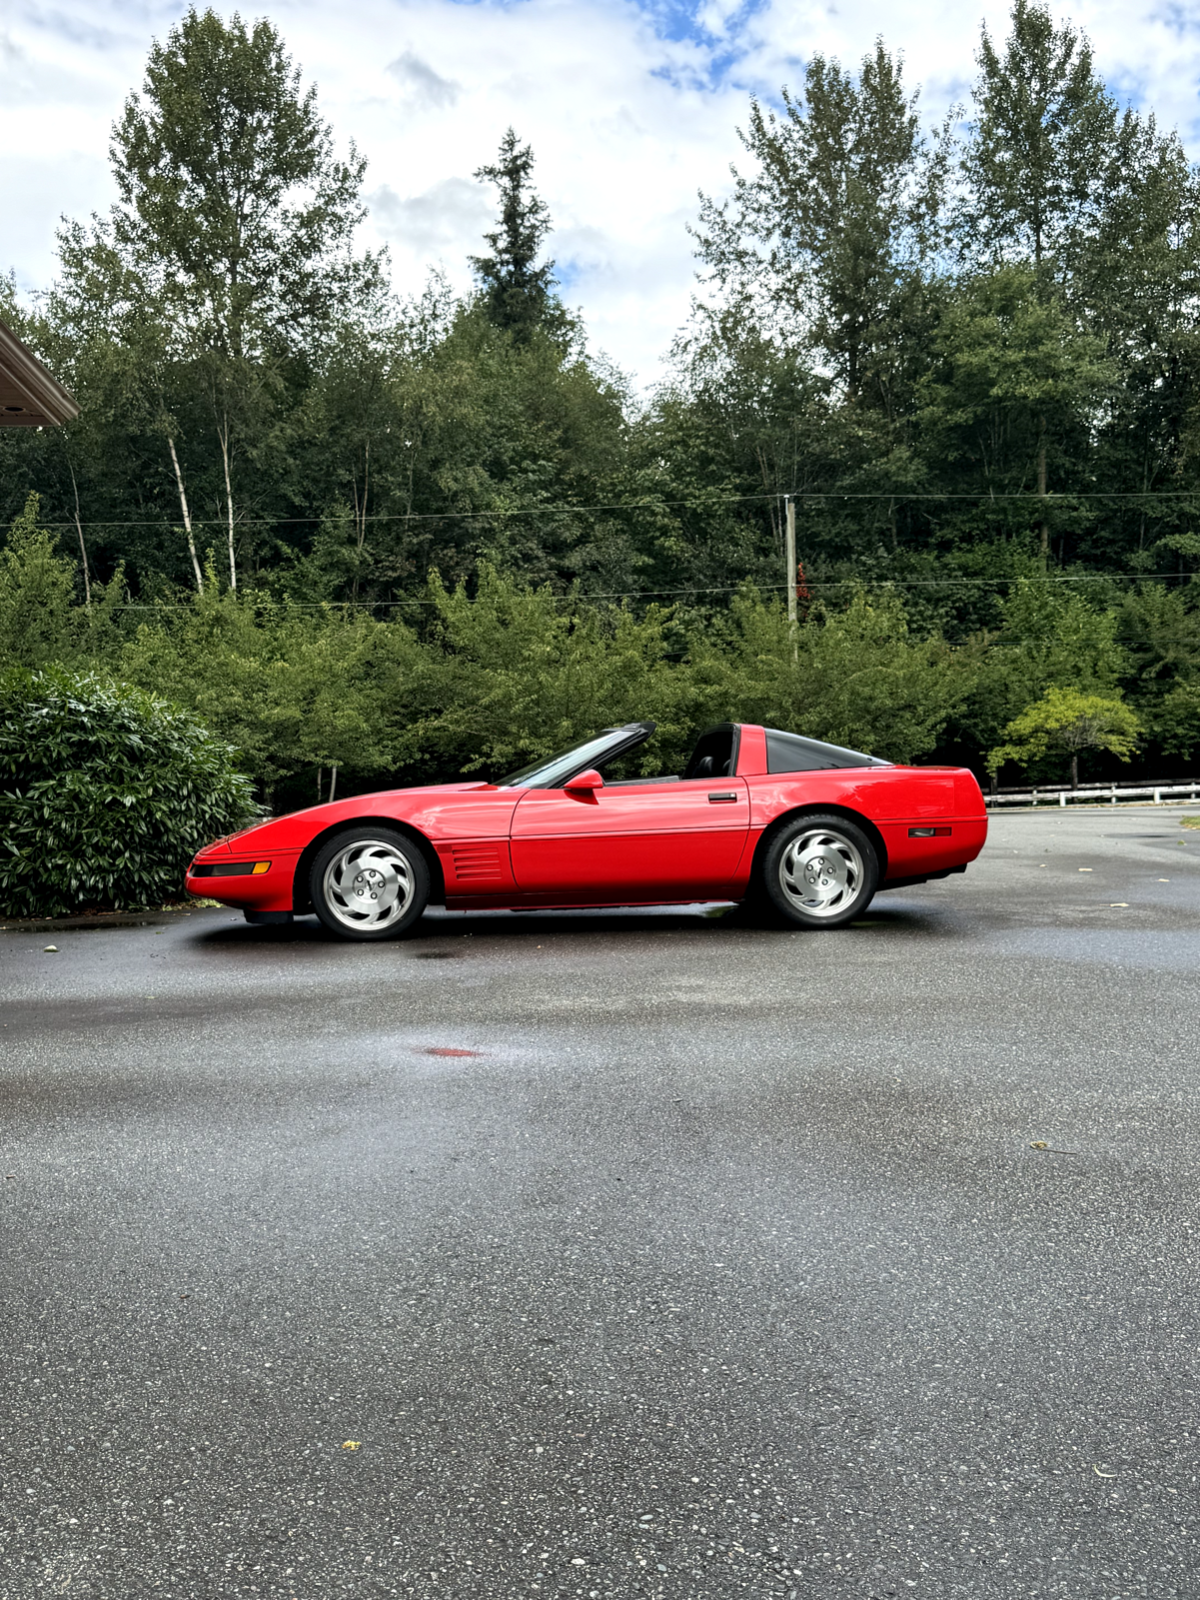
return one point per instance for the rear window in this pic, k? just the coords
(788, 752)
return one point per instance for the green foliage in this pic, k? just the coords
(106, 792)
(229, 192)
(1065, 719)
(36, 595)
(852, 677)
(974, 363)
(519, 673)
(1014, 370)
(962, 355)
(290, 688)
(39, 620)
(1041, 153)
(518, 294)
(826, 234)
(1175, 718)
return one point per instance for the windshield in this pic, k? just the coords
(552, 772)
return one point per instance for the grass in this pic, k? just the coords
(1189, 822)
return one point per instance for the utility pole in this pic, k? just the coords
(789, 555)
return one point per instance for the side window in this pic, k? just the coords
(788, 752)
(715, 755)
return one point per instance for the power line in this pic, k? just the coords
(651, 594)
(1139, 496)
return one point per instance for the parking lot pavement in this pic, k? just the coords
(621, 1255)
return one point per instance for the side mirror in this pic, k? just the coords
(586, 783)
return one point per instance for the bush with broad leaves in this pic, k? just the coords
(106, 792)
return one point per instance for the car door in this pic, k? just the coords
(631, 841)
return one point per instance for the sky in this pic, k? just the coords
(630, 108)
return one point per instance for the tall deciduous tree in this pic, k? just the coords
(1017, 384)
(230, 191)
(232, 239)
(826, 234)
(1041, 150)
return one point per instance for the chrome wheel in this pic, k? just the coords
(821, 872)
(368, 885)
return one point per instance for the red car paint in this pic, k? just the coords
(656, 842)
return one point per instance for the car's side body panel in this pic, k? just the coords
(667, 841)
(624, 844)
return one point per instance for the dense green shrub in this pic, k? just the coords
(105, 793)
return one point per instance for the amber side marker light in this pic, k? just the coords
(232, 869)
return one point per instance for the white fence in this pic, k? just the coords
(1097, 792)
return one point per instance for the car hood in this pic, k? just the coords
(312, 819)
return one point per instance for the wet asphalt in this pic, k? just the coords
(618, 1255)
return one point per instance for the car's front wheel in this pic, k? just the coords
(369, 884)
(820, 872)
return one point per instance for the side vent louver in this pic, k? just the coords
(476, 863)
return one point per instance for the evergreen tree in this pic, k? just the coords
(519, 295)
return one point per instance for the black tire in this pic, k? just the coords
(819, 872)
(369, 884)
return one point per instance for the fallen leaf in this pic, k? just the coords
(51, 947)
(441, 1050)
(1118, 905)
(352, 1444)
(1039, 1144)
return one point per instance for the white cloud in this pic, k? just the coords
(627, 120)
(424, 87)
(447, 220)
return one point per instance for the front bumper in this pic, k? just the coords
(234, 882)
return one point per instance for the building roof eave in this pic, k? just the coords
(29, 396)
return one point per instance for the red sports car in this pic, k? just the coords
(808, 829)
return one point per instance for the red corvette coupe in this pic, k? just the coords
(808, 829)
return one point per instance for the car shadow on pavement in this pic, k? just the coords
(446, 929)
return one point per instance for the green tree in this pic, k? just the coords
(1102, 208)
(220, 270)
(519, 294)
(1041, 149)
(1065, 719)
(1016, 387)
(40, 622)
(290, 689)
(1175, 718)
(824, 239)
(521, 671)
(230, 193)
(854, 677)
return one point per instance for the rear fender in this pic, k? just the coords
(856, 817)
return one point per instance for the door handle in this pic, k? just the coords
(722, 799)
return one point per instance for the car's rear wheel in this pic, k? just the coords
(369, 884)
(819, 872)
